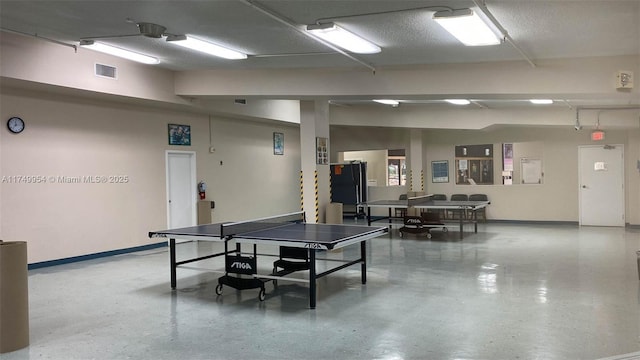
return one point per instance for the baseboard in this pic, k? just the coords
(74, 259)
(532, 222)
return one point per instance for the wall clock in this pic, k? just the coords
(15, 125)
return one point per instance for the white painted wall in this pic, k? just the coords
(555, 200)
(377, 163)
(72, 138)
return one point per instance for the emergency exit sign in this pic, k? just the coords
(597, 135)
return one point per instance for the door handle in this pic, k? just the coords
(584, 186)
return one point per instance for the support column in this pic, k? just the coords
(417, 173)
(314, 123)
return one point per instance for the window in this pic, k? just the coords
(397, 174)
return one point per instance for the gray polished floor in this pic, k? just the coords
(508, 292)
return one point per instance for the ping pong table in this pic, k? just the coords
(426, 203)
(285, 231)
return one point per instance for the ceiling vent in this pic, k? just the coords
(106, 71)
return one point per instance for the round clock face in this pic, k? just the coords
(15, 125)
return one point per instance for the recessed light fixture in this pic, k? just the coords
(345, 39)
(387, 102)
(116, 51)
(206, 47)
(468, 27)
(458, 101)
(541, 101)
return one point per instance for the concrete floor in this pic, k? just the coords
(508, 292)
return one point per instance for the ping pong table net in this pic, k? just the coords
(229, 230)
(418, 200)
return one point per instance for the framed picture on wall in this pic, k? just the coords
(179, 134)
(440, 171)
(278, 143)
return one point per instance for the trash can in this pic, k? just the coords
(14, 296)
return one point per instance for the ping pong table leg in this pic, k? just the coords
(172, 261)
(312, 278)
(461, 223)
(368, 216)
(475, 221)
(363, 257)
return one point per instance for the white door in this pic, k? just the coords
(601, 185)
(181, 189)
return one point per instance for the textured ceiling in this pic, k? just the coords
(543, 29)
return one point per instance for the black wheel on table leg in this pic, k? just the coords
(428, 235)
(219, 289)
(261, 295)
(445, 230)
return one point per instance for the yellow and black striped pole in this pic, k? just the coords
(301, 192)
(411, 179)
(315, 181)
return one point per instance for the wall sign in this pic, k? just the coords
(278, 143)
(440, 171)
(322, 151)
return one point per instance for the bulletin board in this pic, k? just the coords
(531, 171)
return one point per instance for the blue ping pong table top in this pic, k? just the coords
(326, 234)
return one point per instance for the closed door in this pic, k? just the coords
(181, 189)
(601, 185)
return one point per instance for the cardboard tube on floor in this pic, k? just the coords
(14, 296)
(334, 213)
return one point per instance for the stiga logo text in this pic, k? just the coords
(241, 265)
(412, 221)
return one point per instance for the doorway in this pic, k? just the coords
(181, 189)
(601, 192)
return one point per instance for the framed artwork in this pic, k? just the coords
(440, 171)
(278, 143)
(322, 151)
(179, 134)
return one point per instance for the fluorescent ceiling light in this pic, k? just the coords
(206, 47)
(541, 101)
(116, 51)
(340, 37)
(458, 101)
(468, 27)
(387, 102)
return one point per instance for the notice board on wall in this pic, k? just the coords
(531, 170)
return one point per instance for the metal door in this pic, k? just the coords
(601, 185)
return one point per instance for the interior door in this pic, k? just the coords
(601, 185)
(181, 189)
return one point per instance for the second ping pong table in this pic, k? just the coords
(426, 203)
(289, 231)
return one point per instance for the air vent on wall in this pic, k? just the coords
(106, 71)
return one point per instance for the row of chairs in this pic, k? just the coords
(458, 197)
